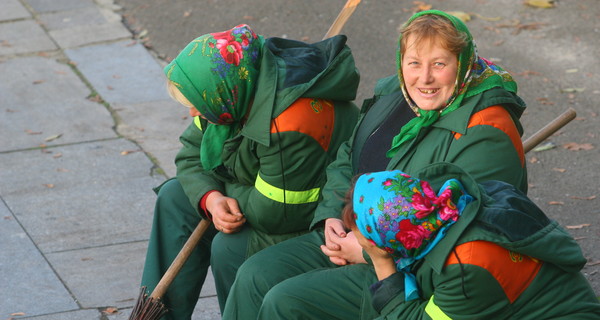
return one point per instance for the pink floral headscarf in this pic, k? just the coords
(404, 216)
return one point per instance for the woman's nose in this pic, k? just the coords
(194, 112)
(426, 74)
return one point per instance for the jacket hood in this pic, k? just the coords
(503, 215)
(293, 69)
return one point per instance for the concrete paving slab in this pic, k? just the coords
(102, 276)
(13, 9)
(29, 285)
(157, 131)
(84, 26)
(23, 37)
(32, 111)
(207, 309)
(73, 315)
(121, 72)
(100, 194)
(58, 5)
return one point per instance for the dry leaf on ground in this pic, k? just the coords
(559, 203)
(583, 198)
(53, 137)
(573, 146)
(579, 226)
(559, 169)
(461, 15)
(545, 4)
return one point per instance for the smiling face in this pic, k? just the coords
(429, 71)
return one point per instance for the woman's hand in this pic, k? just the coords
(225, 211)
(341, 247)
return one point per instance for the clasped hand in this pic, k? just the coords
(226, 214)
(341, 247)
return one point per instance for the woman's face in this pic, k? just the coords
(429, 73)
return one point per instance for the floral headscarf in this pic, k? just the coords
(217, 73)
(475, 75)
(405, 217)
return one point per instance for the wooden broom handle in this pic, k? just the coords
(181, 258)
(549, 129)
(341, 19)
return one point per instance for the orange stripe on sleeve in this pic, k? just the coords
(513, 271)
(313, 117)
(498, 117)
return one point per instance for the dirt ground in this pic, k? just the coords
(551, 52)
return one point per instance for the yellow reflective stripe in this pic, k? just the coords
(435, 312)
(291, 197)
(197, 123)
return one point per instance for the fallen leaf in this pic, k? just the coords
(579, 238)
(545, 146)
(62, 170)
(187, 13)
(571, 70)
(305, 38)
(248, 17)
(579, 226)
(126, 152)
(421, 6)
(110, 88)
(573, 146)
(461, 15)
(593, 263)
(545, 101)
(110, 310)
(487, 18)
(556, 203)
(32, 132)
(533, 160)
(86, 259)
(572, 90)
(38, 81)
(5, 43)
(540, 3)
(58, 155)
(17, 314)
(559, 169)
(583, 198)
(49, 185)
(54, 137)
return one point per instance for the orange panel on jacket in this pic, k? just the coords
(313, 117)
(513, 271)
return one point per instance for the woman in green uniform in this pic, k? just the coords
(445, 104)
(466, 251)
(269, 116)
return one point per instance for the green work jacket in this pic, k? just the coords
(502, 259)
(482, 137)
(275, 166)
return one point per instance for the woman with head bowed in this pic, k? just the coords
(268, 116)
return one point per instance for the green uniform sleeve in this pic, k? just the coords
(191, 175)
(339, 178)
(288, 185)
(487, 153)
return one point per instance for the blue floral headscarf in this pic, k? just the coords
(405, 217)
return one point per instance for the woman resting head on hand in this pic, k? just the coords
(467, 251)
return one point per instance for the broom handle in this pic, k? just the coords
(549, 129)
(182, 256)
(341, 19)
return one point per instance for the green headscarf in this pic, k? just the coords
(475, 75)
(217, 73)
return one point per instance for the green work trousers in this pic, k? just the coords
(295, 280)
(174, 221)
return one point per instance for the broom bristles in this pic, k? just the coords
(147, 308)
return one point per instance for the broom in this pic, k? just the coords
(150, 307)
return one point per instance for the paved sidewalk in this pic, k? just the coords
(86, 130)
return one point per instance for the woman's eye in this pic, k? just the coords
(439, 64)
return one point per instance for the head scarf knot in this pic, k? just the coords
(217, 73)
(405, 217)
(475, 75)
